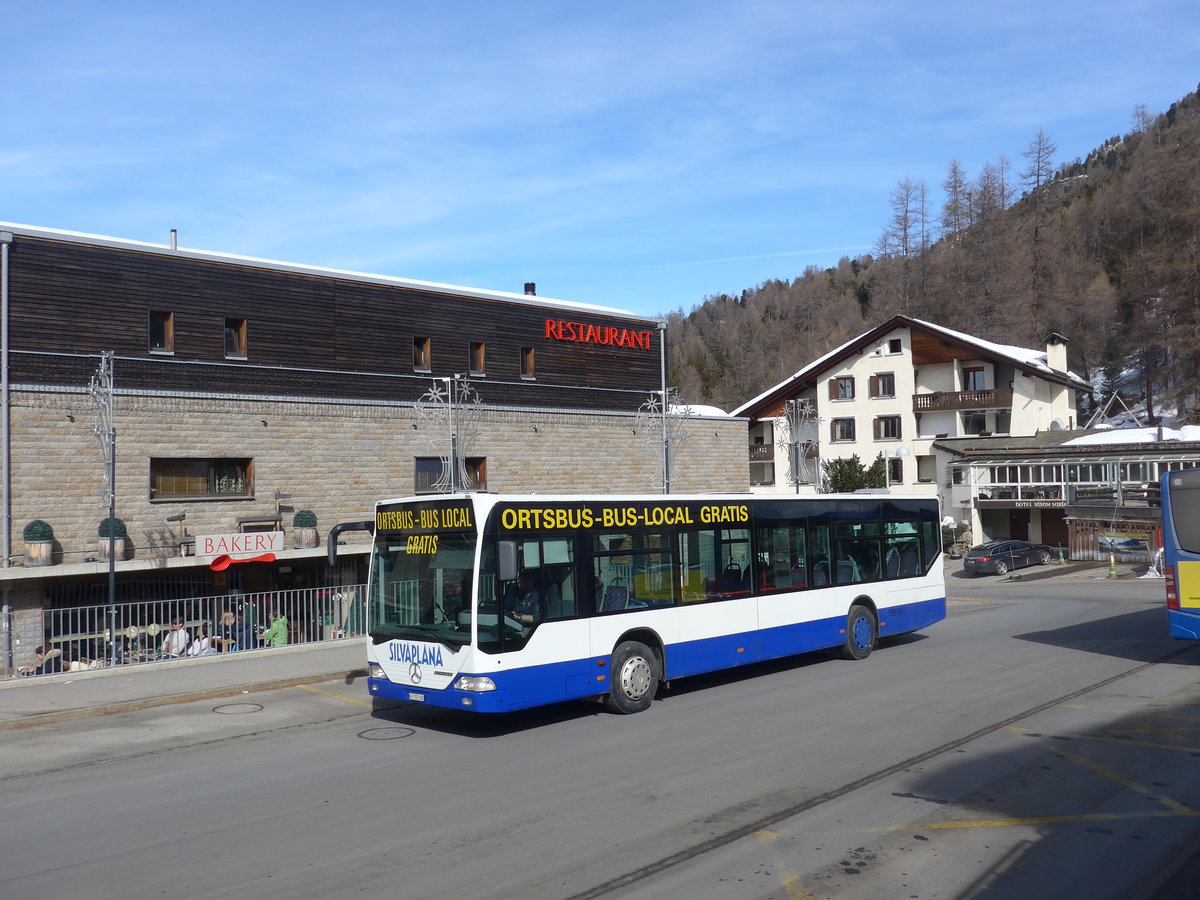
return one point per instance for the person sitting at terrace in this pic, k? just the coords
(277, 634)
(44, 663)
(200, 645)
(176, 642)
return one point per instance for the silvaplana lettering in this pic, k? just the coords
(421, 654)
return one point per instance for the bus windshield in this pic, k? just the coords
(421, 575)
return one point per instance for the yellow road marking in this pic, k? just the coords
(336, 696)
(1125, 782)
(966, 600)
(1037, 820)
(789, 880)
(794, 889)
(1123, 712)
(1150, 744)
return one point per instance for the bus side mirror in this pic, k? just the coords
(506, 560)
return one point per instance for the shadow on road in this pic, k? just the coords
(1140, 636)
(1100, 811)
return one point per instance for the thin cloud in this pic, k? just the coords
(815, 251)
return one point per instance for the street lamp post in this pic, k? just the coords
(666, 432)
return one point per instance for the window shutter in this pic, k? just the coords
(878, 429)
(873, 386)
(833, 389)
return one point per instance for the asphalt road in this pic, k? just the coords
(1040, 743)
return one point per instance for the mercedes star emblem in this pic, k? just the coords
(414, 673)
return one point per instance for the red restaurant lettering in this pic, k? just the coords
(604, 335)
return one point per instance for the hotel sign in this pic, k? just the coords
(1021, 504)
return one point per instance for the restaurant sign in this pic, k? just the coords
(605, 335)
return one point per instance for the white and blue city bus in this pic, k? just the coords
(496, 603)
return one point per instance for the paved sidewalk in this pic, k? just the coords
(26, 702)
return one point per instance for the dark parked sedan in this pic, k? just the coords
(1000, 556)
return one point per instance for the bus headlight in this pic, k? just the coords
(475, 683)
(375, 670)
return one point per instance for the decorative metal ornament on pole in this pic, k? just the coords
(660, 421)
(800, 417)
(105, 432)
(446, 423)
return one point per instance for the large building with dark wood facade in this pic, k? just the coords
(244, 390)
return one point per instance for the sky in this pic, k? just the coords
(640, 155)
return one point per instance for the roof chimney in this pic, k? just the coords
(1056, 351)
(174, 239)
(531, 288)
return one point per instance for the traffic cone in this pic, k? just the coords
(1061, 560)
(1112, 566)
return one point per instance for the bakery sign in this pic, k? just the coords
(240, 542)
(604, 335)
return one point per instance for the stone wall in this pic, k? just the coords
(336, 459)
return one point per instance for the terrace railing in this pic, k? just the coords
(941, 400)
(90, 637)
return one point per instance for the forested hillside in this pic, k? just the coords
(1103, 250)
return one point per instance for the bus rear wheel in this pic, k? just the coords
(634, 675)
(862, 631)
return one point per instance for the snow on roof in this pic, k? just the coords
(1034, 359)
(1136, 436)
(698, 409)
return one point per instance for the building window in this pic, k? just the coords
(974, 422)
(895, 470)
(887, 428)
(162, 332)
(235, 338)
(841, 429)
(973, 380)
(430, 475)
(841, 388)
(882, 385)
(895, 345)
(201, 479)
(420, 354)
(527, 362)
(477, 358)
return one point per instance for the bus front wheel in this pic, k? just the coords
(862, 631)
(633, 675)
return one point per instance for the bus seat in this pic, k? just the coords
(616, 596)
(821, 573)
(848, 571)
(731, 579)
(893, 562)
(910, 563)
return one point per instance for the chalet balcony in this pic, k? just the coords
(762, 453)
(952, 400)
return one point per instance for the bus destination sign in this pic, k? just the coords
(569, 517)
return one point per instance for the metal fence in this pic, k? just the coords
(92, 637)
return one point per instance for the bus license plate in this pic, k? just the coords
(415, 697)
